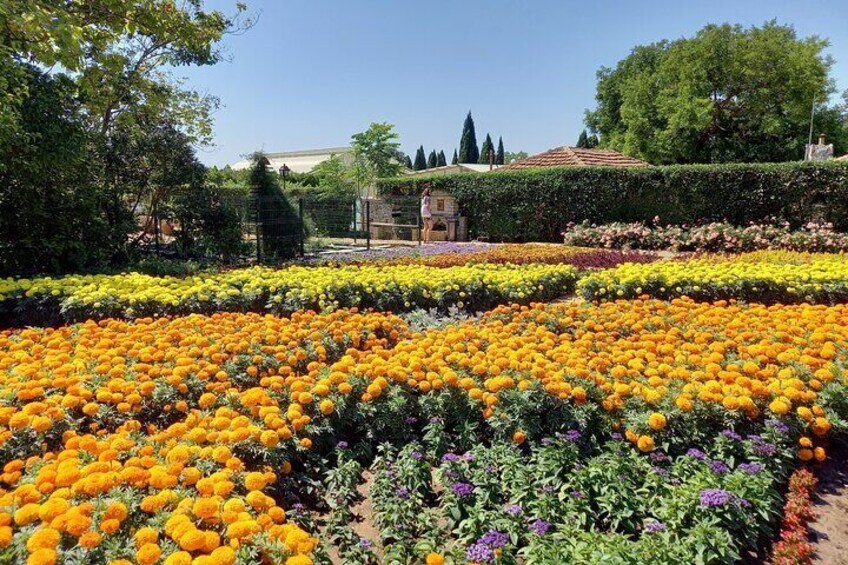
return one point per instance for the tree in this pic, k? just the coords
(487, 148)
(333, 178)
(420, 160)
(468, 150)
(728, 94)
(278, 223)
(455, 158)
(407, 162)
(509, 156)
(583, 139)
(499, 158)
(441, 161)
(378, 146)
(432, 160)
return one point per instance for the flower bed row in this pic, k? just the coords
(773, 277)
(260, 289)
(715, 237)
(173, 439)
(515, 254)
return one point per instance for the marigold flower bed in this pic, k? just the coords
(262, 289)
(772, 277)
(638, 430)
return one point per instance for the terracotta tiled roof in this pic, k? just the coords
(576, 157)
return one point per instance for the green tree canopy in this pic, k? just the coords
(487, 148)
(379, 147)
(441, 160)
(499, 158)
(728, 94)
(468, 150)
(420, 160)
(455, 158)
(407, 162)
(432, 160)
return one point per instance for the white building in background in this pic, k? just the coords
(299, 161)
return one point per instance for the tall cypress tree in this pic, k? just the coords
(442, 160)
(468, 150)
(279, 224)
(420, 160)
(485, 150)
(455, 159)
(583, 140)
(499, 158)
(407, 162)
(432, 160)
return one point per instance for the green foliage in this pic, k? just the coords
(510, 156)
(420, 160)
(728, 94)
(210, 221)
(53, 215)
(378, 147)
(533, 205)
(407, 162)
(432, 160)
(280, 228)
(486, 149)
(455, 158)
(333, 178)
(499, 158)
(441, 160)
(468, 150)
(586, 141)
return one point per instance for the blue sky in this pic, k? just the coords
(313, 72)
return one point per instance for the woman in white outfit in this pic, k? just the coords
(426, 215)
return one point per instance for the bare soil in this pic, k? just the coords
(829, 531)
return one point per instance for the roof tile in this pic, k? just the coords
(566, 156)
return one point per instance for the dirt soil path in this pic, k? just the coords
(830, 529)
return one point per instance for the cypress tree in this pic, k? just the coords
(499, 158)
(279, 223)
(455, 159)
(420, 160)
(432, 160)
(485, 150)
(593, 141)
(583, 140)
(407, 162)
(442, 160)
(468, 150)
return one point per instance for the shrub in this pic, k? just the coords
(537, 204)
(714, 237)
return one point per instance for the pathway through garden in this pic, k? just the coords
(830, 530)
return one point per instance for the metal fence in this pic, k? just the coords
(276, 229)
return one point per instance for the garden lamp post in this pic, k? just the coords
(284, 170)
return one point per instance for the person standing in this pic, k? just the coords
(426, 215)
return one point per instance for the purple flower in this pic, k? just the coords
(512, 509)
(763, 448)
(364, 543)
(654, 527)
(540, 527)
(411, 420)
(778, 426)
(494, 539)
(577, 494)
(450, 457)
(660, 471)
(462, 489)
(468, 456)
(548, 489)
(572, 435)
(342, 445)
(616, 436)
(718, 467)
(713, 497)
(750, 468)
(730, 434)
(659, 457)
(402, 492)
(479, 553)
(696, 454)
(547, 441)
(435, 420)
(416, 455)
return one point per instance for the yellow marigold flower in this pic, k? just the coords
(645, 444)
(657, 421)
(42, 556)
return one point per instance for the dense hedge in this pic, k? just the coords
(537, 204)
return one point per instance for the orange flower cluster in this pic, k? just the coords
(657, 368)
(116, 431)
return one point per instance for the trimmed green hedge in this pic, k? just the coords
(533, 205)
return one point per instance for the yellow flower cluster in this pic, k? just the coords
(648, 363)
(289, 289)
(771, 276)
(118, 430)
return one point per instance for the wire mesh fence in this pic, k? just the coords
(275, 229)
